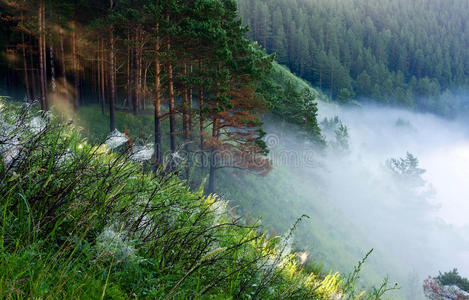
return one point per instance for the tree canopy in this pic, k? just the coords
(186, 62)
(393, 51)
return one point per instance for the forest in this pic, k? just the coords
(393, 52)
(234, 149)
(188, 65)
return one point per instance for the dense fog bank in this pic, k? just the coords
(425, 223)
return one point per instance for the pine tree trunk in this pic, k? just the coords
(94, 72)
(42, 57)
(112, 73)
(190, 108)
(157, 102)
(98, 66)
(62, 60)
(172, 114)
(185, 117)
(134, 77)
(52, 68)
(215, 140)
(129, 66)
(201, 115)
(145, 86)
(103, 78)
(81, 83)
(76, 85)
(213, 154)
(33, 70)
(139, 70)
(25, 62)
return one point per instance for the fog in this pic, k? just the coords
(418, 229)
(442, 147)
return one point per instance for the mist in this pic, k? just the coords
(416, 230)
(442, 147)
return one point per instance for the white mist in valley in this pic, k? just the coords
(418, 229)
(442, 147)
(433, 225)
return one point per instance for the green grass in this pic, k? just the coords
(80, 221)
(96, 125)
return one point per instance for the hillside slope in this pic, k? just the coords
(279, 198)
(85, 221)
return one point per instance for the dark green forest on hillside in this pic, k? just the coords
(393, 51)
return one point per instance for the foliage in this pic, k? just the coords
(435, 289)
(453, 278)
(352, 278)
(335, 127)
(341, 134)
(398, 52)
(407, 169)
(293, 100)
